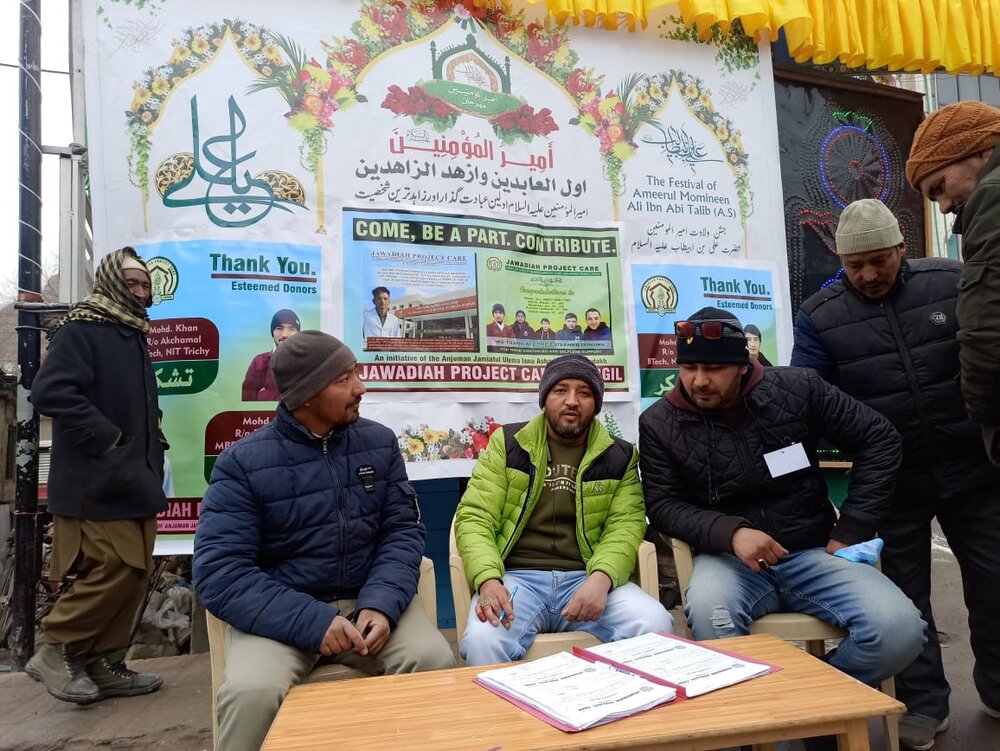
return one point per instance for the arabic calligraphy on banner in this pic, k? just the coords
(452, 190)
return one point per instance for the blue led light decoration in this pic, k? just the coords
(853, 163)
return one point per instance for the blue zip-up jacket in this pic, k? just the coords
(291, 521)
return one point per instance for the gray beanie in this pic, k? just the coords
(866, 225)
(307, 363)
(572, 366)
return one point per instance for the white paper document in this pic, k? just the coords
(694, 668)
(572, 693)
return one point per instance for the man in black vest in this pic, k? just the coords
(886, 334)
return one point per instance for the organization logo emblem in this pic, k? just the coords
(659, 295)
(164, 278)
(938, 318)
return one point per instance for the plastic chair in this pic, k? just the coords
(789, 627)
(426, 595)
(545, 644)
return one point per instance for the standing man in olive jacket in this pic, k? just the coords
(904, 366)
(728, 462)
(105, 485)
(954, 161)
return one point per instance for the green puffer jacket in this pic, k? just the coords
(507, 483)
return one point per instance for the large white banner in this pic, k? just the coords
(395, 173)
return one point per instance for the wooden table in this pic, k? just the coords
(446, 710)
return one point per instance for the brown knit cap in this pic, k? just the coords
(950, 135)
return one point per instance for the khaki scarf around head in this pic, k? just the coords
(111, 302)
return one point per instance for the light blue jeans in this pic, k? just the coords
(540, 598)
(884, 630)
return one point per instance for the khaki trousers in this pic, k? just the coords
(112, 561)
(260, 672)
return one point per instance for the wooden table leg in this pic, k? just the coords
(856, 737)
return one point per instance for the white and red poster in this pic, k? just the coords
(446, 188)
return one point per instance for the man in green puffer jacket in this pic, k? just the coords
(554, 512)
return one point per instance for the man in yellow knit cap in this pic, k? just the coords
(954, 162)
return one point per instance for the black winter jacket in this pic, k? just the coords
(978, 222)
(704, 479)
(899, 355)
(97, 382)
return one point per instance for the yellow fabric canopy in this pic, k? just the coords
(912, 35)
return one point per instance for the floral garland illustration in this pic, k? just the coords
(641, 98)
(734, 51)
(423, 443)
(613, 116)
(316, 91)
(196, 48)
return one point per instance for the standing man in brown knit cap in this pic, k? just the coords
(105, 487)
(954, 162)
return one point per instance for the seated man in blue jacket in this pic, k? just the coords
(309, 543)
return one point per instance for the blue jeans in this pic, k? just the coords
(884, 630)
(540, 599)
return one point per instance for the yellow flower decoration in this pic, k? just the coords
(253, 42)
(180, 54)
(607, 105)
(419, 21)
(518, 38)
(199, 45)
(691, 92)
(706, 101)
(273, 53)
(655, 92)
(159, 86)
(414, 446)
(736, 142)
(641, 98)
(303, 121)
(368, 28)
(141, 97)
(722, 132)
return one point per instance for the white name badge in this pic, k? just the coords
(789, 459)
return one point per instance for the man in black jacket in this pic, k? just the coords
(729, 465)
(904, 365)
(105, 486)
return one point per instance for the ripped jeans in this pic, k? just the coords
(884, 630)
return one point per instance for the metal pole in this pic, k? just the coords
(26, 555)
